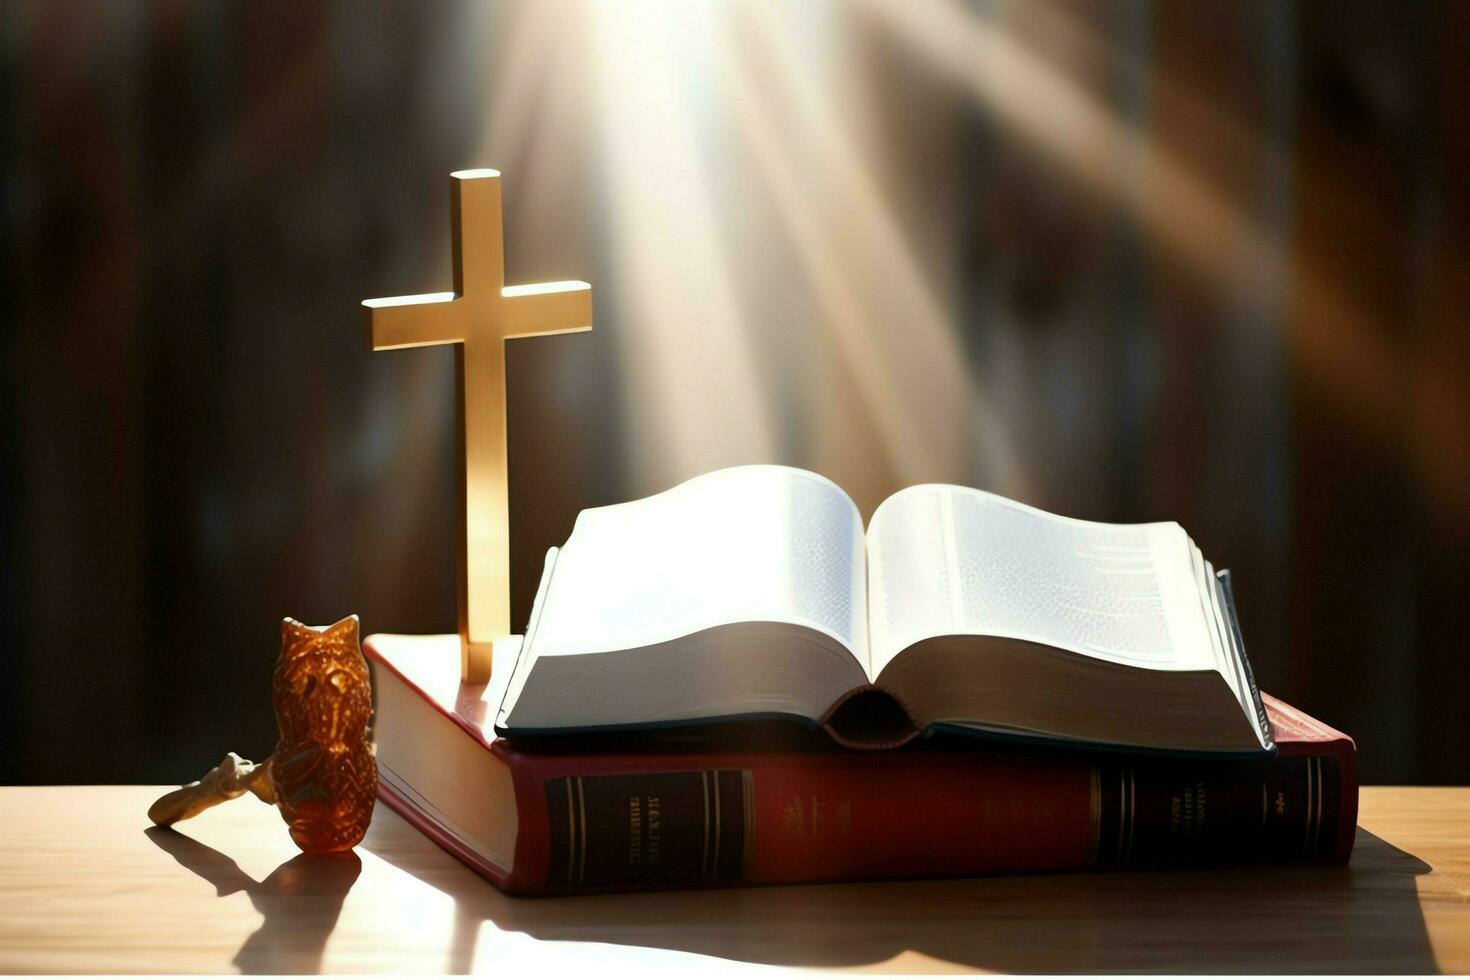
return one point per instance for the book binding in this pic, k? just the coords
(671, 816)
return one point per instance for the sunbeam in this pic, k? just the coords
(1341, 350)
(879, 309)
(697, 399)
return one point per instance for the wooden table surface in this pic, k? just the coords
(86, 887)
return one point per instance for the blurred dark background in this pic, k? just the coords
(1126, 261)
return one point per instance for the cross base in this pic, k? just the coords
(475, 659)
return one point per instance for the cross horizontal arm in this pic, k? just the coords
(549, 308)
(413, 321)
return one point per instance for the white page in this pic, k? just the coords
(1203, 573)
(1230, 653)
(911, 590)
(748, 544)
(950, 560)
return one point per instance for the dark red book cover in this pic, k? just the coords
(661, 813)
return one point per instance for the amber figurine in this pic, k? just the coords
(322, 774)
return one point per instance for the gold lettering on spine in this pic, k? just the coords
(635, 830)
(655, 830)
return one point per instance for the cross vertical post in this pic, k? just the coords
(478, 317)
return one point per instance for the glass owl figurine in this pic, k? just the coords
(322, 774)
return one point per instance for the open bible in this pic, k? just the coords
(754, 593)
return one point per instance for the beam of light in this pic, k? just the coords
(878, 306)
(539, 122)
(615, 89)
(697, 397)
(1337, 341)
(1073, 126)
(689, 351)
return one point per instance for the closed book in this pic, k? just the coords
(776, 805)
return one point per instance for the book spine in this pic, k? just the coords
(833, 817)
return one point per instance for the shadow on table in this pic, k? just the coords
(1361, 918)
(300, 901)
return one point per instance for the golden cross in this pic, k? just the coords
(478, 318)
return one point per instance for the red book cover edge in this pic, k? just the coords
(1295, 732)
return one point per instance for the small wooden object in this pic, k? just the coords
(322, 774)
(478, 317)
